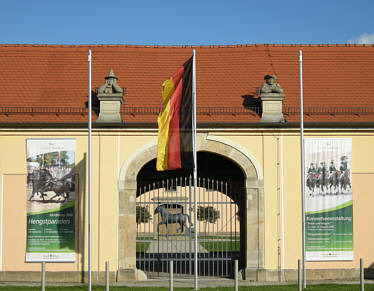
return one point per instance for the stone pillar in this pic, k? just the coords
(110, 96)
(272, 107)
(254, 232)
(127, 235)
(272, 100)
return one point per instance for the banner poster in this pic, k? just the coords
(328, 199)
(50, 200)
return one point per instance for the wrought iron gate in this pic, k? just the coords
(165, 230)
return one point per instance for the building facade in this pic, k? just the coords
(246, 139)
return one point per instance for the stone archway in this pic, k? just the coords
(254, 221)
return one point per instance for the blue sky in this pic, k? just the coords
(189, 22)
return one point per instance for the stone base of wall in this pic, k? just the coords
(290, 275)
(126, 275)
(56, 277)
(131, 275)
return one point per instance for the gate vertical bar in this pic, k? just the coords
(171, 205)
(167, 225)
(137, 230)
(140, 237)
(190, 254)
(142, 229)
(214, 235)
(208, 232)
(214, 199)
(226, 200)
(153, 227)
(205, 263)
(159, 260)
(177, 250)
(137, 203)
(147, 234)
(236, 223)
(231, 205)
(217, 228)
(183, 188)
(182, 229)
(142, 197)
(213, 229)
(158, 229)
(236, 284)
(199, 201)
(177, 199)
(221, 239)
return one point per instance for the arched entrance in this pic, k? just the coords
(165, 210)
(218, 158)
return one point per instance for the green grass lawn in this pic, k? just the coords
(142, 243)
(220, 243)
(330, 287)
(210, 243)
(219, 246)
(142, 247)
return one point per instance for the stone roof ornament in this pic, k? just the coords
(272, 96)
(110, 85)
(271, 86)
(110, 96)
(111, 75)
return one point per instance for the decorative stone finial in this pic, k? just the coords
(271, 86)
(110, 85)
(272, 100)
(110, 96)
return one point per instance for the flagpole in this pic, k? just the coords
(89, 169)
(302, 163)
(195, 160)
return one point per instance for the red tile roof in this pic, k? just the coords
(338, 81)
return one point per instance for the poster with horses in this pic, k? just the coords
(50, 197)
(328, 199)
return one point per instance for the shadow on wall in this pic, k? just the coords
(80, 206)
(369, 272)
(63, 188)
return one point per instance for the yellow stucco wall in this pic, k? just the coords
(277, 153)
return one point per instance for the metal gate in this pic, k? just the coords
(165, 228)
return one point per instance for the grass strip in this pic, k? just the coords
(322, 287)
(220, 246)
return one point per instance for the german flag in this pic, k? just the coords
(174, 149)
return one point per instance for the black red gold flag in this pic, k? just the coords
(174, 149)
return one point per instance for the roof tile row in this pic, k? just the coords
(227, 76)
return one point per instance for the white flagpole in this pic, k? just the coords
(302, 162)
(195, 161)
(89, 169)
